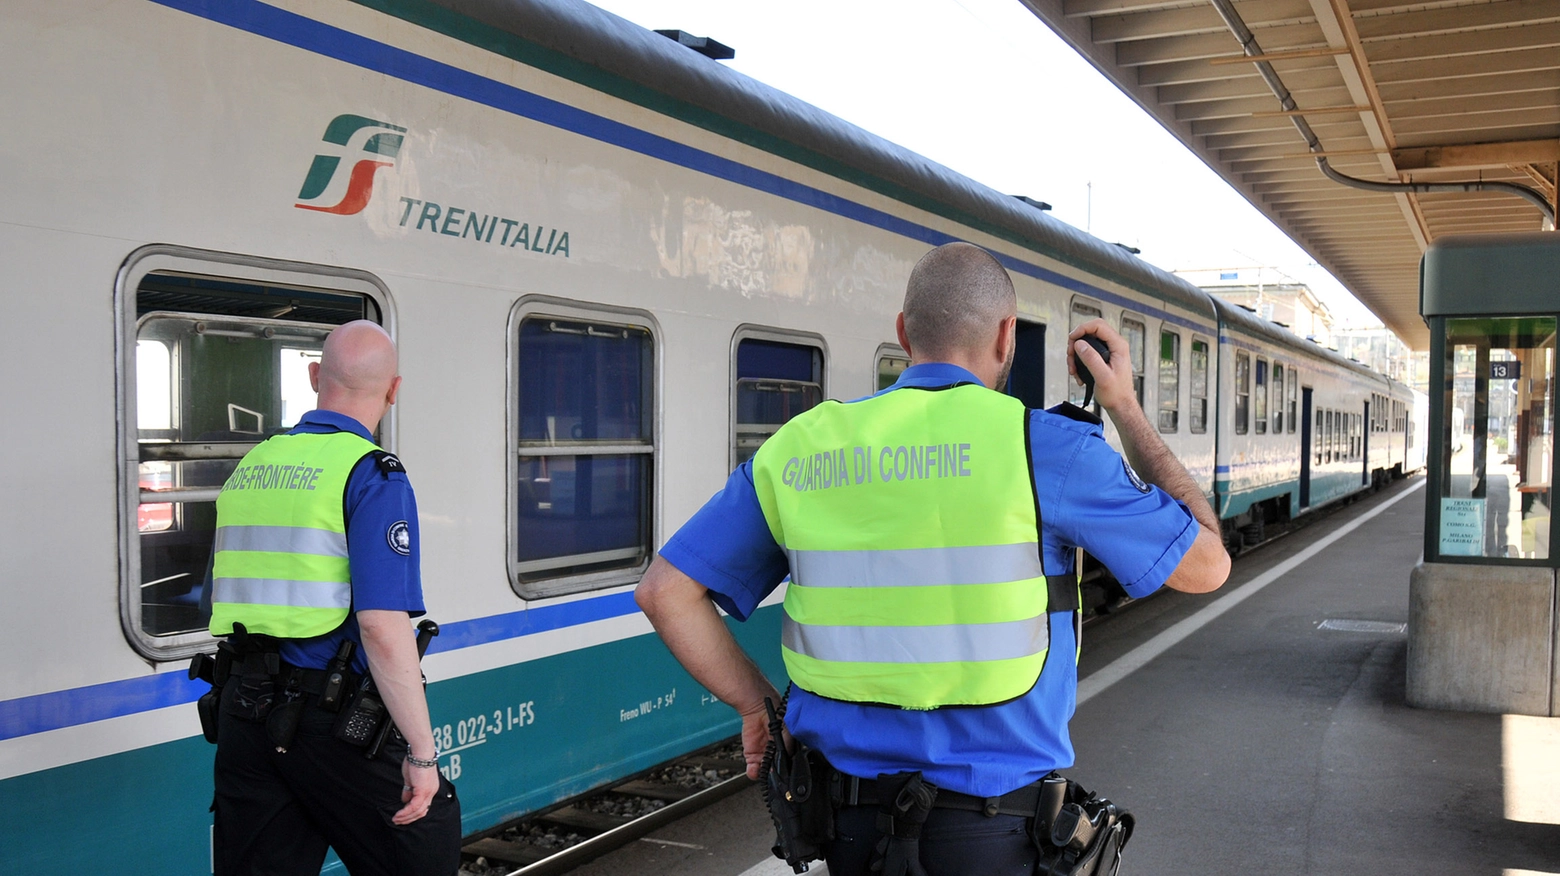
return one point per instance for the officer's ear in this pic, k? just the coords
(314, 377)
(904, 339)
(395, 387)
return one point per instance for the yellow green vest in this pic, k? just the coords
(281, 565)
(912, 529)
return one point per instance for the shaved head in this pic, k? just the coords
(956, 300)
(358, 372)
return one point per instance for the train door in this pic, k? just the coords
(1026, 382)
(1366, 427)
(1305, 447)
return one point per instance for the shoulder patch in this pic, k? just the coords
(1073, 412)
(399, 537)
(1133, 476)
(388, 462)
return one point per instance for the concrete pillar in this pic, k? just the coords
(1483, 639)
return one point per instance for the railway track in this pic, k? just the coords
(566, 836)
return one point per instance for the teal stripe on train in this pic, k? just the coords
(564, 724)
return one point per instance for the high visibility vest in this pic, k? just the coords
(281, 565)
(911, 526)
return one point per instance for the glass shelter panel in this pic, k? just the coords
(1497, 459)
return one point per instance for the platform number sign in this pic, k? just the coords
(1509, 369)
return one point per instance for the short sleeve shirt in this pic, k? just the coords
(382, 547)
(1089, 498)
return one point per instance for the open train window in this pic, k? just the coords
(583, 451)
(214, 353)
(1261, 396)
(1026, 382)
(1136, 336)
(1278, 398)
(1082, 312)
(891, 362)
(1242, 392)
(775, 376)
(1169, 381)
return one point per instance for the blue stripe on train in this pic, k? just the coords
(113, 699)
(332, 42)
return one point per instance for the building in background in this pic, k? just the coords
(1270, 294)
(1279, 298)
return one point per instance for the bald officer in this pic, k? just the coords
(316, 569)
(925, 529)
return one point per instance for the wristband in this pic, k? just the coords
(430, 763)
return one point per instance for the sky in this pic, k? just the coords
(985, 88)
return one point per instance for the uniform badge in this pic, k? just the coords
(399, 537)
(1133, 476)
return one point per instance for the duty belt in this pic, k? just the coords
(289, 677)
(855, 791)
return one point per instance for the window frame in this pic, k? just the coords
(1277, 376)
(756, 332)
(1209, 374)
(1242, 422)
(884, 351)
(1294, 395)
(1260, 388)
(191, 261)
(1139, 375)
(532, 306)
(1159, 392)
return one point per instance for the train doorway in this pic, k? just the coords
(1026, 382)
(1305, 447)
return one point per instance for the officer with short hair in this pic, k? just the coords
(928, 532)
(314, 578)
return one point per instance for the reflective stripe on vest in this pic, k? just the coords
(911, 527)
(281, 565)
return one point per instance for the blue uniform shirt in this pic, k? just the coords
(378, 507)
(1088, 499)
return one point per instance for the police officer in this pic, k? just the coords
(927, 529)
(316, 546)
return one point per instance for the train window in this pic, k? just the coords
(891, 362)
(1199, 413)
(219, 363)
(1278, 398)
(773, 382)
(1137, 339)
(584, 454)
(1169, 381)
(1082, 312)
(1242, 392)
(1294, 388)
(1328, 437)
(1261, 397)
(1319, 436)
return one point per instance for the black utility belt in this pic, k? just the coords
(1024, 802)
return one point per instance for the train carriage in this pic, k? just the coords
(613, 268)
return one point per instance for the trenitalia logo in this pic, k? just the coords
(342, 182)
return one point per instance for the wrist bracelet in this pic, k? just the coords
(430, 763)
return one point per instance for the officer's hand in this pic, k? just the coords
(1112, 383)
(755, 738)
(418, 785)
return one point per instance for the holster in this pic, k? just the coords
(798, 792)
(907, 802)
(1077, 832)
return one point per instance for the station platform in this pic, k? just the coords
(1263, 729)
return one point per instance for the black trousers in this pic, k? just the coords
(277, 813)
(953, 843)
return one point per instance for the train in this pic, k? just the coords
(613, 267)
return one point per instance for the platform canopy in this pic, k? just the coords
(1396, 91)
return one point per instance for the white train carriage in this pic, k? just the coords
(613, 267)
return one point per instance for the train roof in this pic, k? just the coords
(594, 47)
(1243, 320)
